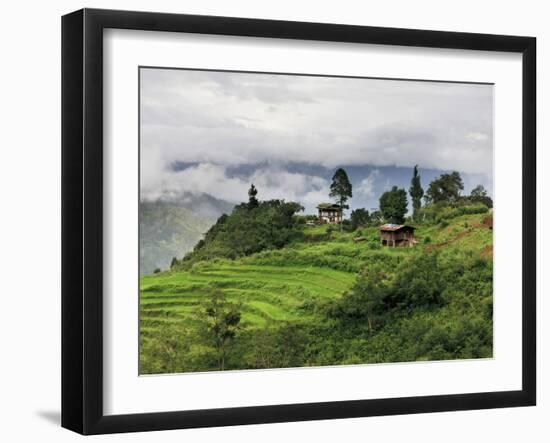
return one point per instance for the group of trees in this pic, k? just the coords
(444, 191)
(394, 204)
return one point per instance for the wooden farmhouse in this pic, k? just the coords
(330, 213)
(397, 235)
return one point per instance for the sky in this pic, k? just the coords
(217, 132)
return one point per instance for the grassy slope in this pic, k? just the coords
(274, 286)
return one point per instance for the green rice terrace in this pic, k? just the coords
(268, 293)
(262, 294)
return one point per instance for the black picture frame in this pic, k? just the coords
(82, 218)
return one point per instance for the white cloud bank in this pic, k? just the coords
(218, 119)
(213, 179)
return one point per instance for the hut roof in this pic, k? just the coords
(329, 206)
(394, 227)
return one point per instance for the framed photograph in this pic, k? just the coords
(268, 221)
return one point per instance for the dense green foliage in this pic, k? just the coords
(393, 205)
(446, 188)
(359, 217)
(252, 200)
(479, 195)
(247, 230)
(446, 302)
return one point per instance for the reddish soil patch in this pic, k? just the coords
(486, 222)
(487, 251)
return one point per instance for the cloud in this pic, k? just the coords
(208, 178)
(477, 137)
(366, 186)
(218, 120)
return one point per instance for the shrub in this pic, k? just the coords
(380, 289)
(374, 245)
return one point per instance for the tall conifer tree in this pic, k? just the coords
(341, 190)
(416, 192)
(252, 200)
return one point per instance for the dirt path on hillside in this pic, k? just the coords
(457, 237)
(486, 223)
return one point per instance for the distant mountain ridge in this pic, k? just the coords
(203, 204)
(171, 228)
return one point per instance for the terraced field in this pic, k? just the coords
(267, 293)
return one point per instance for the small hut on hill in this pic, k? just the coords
(397, 235)
(330, 213)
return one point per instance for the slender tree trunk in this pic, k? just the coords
(341, 215)
(222, 358)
